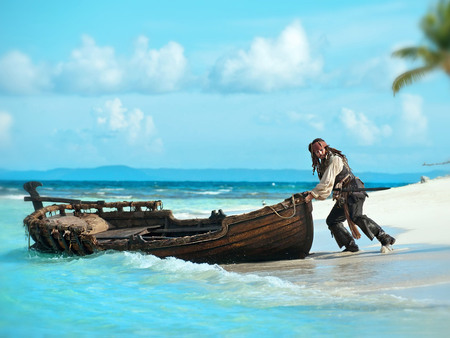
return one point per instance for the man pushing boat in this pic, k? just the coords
(336, 176)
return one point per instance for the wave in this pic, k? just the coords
(125, 197)
(12, 196)
(218, 282)
(262, 291)
(216, 192)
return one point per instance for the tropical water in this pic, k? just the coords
(132, 294)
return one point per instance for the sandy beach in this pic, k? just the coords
(417, 215)
(420, 211)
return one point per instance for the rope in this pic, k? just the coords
(293, 202)
(351, 224)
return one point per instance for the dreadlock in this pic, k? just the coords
(319, 165)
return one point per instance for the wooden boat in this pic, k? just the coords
(276, 232)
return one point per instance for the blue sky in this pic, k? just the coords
(215, 84)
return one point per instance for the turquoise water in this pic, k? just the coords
(124, 293)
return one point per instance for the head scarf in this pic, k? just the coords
(318, 145)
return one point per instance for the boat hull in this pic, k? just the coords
(280, 231)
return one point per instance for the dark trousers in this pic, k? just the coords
(355, 209)
(355, 202)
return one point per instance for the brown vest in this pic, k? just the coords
(342, 175)
(345, 173)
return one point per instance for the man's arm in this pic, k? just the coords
(324, 188)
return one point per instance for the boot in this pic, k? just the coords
(351, 247)
(385, 239)
(343, 237)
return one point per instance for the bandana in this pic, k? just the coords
(318, 145)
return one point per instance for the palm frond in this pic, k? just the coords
(409, 77)
(424, 53)
(436, 25)
(407, 53)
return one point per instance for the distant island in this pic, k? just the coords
(125, 173)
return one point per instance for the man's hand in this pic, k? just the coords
(308, 197)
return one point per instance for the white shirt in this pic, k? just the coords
(326, 184)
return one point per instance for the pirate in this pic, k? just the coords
(336, 176)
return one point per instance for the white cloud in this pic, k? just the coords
(268, 64)
(157, 70)
(90, 70)
(414, 124)
(133, 126)
(96, 70)
(6, 122)
(18, 74)
(116, 114)
(311, 119)
(140, 126)
(364, 130)
(93, 69)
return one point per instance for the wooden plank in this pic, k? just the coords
(186, 229)
(62, 242)
(120, 233)
(59, 200)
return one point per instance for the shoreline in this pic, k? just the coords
(418, 268)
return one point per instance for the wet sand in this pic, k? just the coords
(418, 268)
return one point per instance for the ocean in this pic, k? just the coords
(117, 294)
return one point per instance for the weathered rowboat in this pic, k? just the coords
(276, 232)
